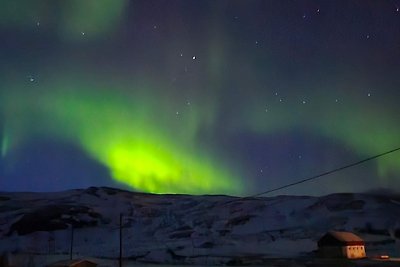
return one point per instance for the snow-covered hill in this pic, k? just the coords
(183, 228)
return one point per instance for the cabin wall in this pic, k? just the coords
(331, 252)
(350, 252)
(354, 252)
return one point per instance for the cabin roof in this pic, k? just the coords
(333, 238)
(345, 236)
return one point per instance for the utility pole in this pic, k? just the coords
(72, 242)
(120, 240)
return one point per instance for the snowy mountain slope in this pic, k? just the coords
(183, 228)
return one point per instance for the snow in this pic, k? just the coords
(189, 229)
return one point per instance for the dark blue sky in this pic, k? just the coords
(231, 97)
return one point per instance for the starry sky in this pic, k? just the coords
(199, 97)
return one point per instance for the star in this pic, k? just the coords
(155, 27)
(83, 33)
(318, 10)
(367, 36)
(38, 23)
(194, 57)
(31, 79)
(177, 113)
(303, 102)
(304, 16)
(266, 110)
(369, 94)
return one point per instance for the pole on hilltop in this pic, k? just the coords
(72, 242)
(120, 240)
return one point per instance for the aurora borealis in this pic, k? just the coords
(198, 97)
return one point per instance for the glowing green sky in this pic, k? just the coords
(198, 96)
(141, 139)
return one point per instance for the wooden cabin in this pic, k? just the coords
(336, 244)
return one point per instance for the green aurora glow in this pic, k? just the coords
(141, 145)
(142, 141)
(362, 126)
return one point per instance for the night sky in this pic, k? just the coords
(199, 97)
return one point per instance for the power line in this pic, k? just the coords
(312, 177)
(324, 173)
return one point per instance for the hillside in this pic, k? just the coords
(191, 229)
